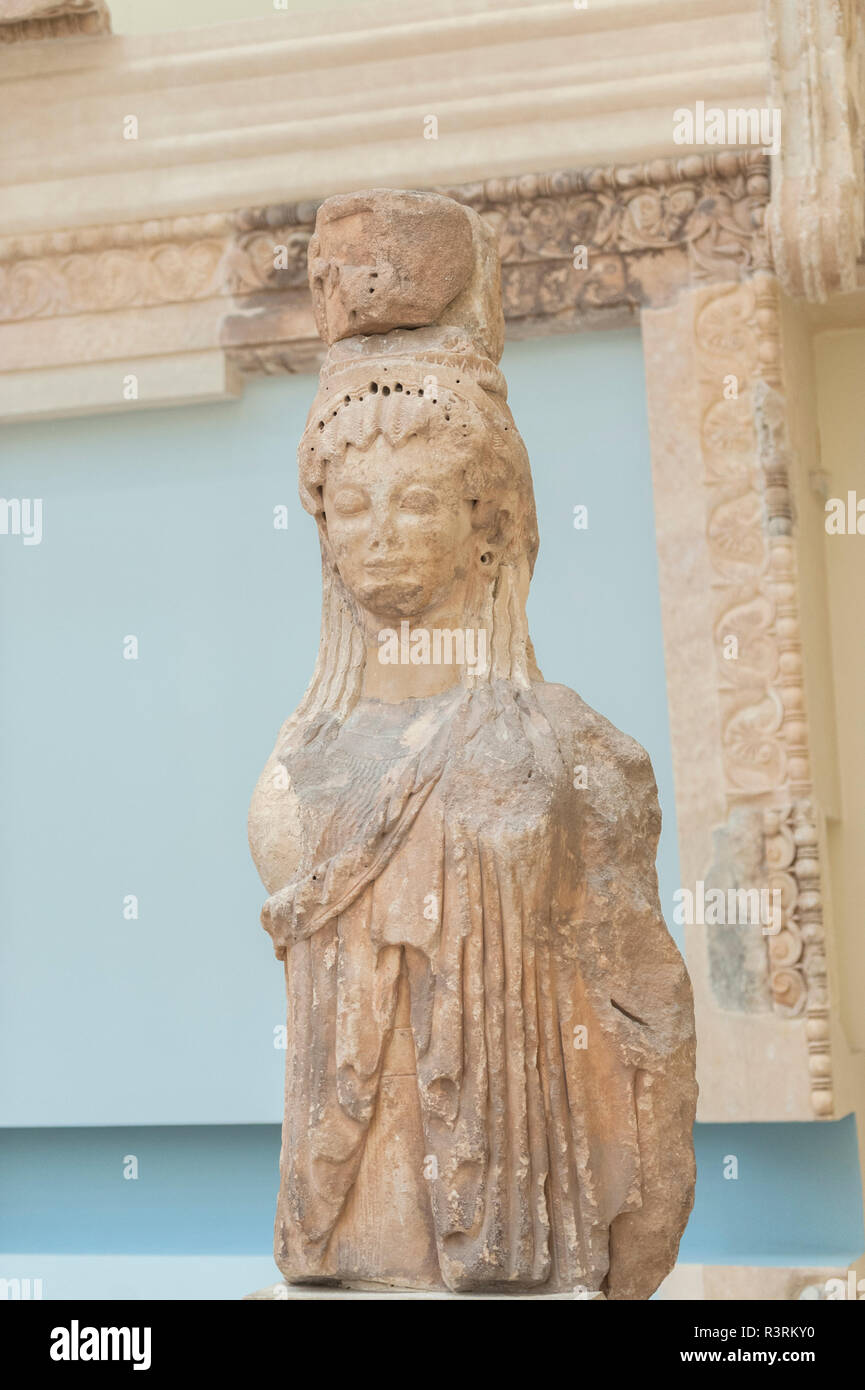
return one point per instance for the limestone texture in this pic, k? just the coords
(490, 1065)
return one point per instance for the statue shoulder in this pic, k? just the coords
(615, 762)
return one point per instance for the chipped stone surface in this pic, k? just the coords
(50, 19)
(389, 260)
(490, 1066)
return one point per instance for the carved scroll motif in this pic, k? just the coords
(52, 19)
(647, 231)
(749, 529)
(166, 271)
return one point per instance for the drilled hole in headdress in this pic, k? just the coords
(373, 386)
(385, 390)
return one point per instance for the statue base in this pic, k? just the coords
(282, 1292)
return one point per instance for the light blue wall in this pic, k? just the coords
(133, 777)
(211, 1191)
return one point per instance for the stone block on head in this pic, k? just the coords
(382, 259)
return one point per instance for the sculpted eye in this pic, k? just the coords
(349, 501)
(419, 499)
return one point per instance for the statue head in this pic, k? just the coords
(414, 470)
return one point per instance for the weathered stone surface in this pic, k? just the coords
(490, 1066)
(386, 260)
(49, 19)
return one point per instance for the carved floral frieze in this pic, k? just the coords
(52, 19)
(764, 729)
(642, 232)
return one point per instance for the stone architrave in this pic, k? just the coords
(490, 1076)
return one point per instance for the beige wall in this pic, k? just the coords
(161, 16)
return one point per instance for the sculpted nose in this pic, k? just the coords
(383, 530)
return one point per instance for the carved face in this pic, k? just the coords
(400, 525)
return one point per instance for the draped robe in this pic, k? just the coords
(550, 1011)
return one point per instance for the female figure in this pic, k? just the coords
(490, 1070)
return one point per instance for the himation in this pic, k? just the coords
(439, 646)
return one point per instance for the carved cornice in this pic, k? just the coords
(510, 85)
(52, 19)
(647, 232)
(304, 103)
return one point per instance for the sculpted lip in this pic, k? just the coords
(385, 566)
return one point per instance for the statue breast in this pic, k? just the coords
(275, 831)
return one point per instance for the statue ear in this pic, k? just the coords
(499, 528)
(491, 519)
(494, 525)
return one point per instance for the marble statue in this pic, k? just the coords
(490, 1060)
